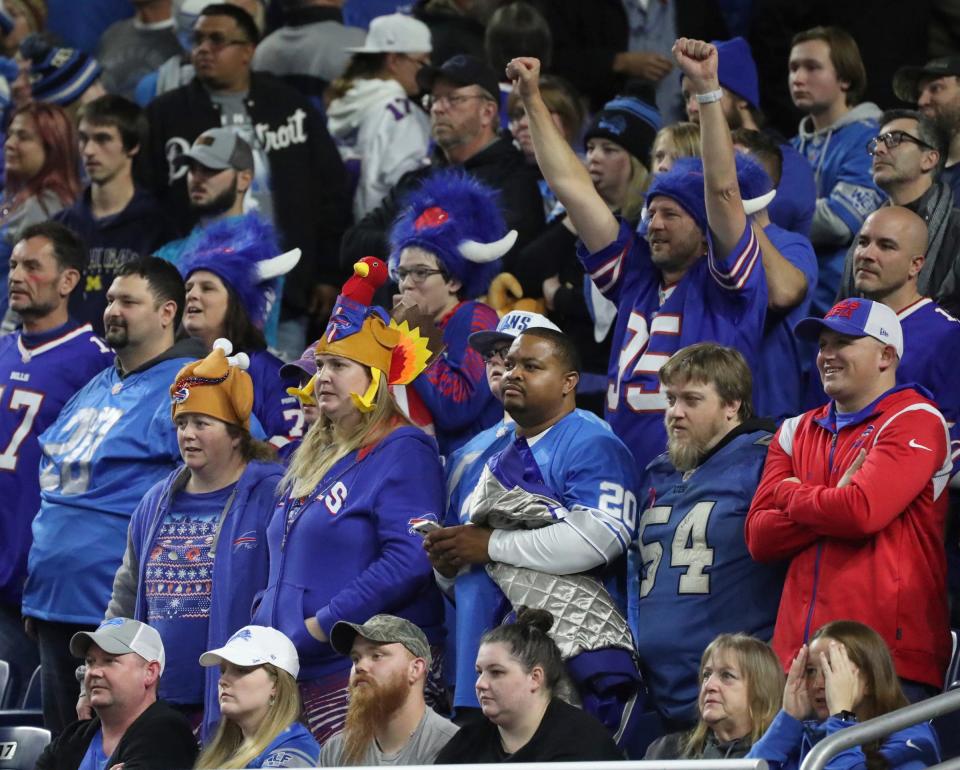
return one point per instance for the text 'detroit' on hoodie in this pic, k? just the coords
(846, 194)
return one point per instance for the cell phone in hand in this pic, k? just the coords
(423, 527)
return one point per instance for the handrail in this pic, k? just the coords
(880, 726)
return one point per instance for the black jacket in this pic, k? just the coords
(160, 739)
(500, 165)
(308, 181)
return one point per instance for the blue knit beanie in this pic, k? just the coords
(736, 70)
(58, 75)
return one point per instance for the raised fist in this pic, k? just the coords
(698, 62)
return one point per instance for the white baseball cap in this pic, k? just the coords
(395, 33)
(511, 326)
(254, 646)
(119, 636)
(856, 317)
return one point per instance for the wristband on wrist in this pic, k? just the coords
(709, 97)
(846, 716)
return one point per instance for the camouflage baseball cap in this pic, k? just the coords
(385, 629)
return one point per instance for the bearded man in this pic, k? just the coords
(697, 579)
(388, 722)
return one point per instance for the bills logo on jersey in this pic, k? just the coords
(861, 439)
(180, 395)
(246, 542)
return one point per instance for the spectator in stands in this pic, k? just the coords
(854, 493)
(703, 485)
(515, 29)
(672, 287)
(907, 155)
(845, 676)
(380, 132)
(567, 472)
(25, 18)
(935, 90)
(224, 489)
(887, 261)
(455, 28)
(259, 704)
(519, 669)
(827, 80)
(445, 248)
(388, 721)
(131, 48)
(49, 73)
(311, 50)
(178, 69)
(341, 541)
(601, 47)
(793, 207)
(118, 220)
(303, 371)
(131, 727)
(472, 591)
(109, 445)
(41, 167)
(299, 183)
(568, 112)
(741, 686)
(464, 123)
(230, 281)
(617, 143)
(678, 140)
(41, 367)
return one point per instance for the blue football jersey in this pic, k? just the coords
(721, 298)
(931, 357)
(785, 360)
(697, 579)
(38, 375)
(113, 441)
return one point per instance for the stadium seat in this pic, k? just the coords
(952, 679)
(20, 747)
(21, 718)
(31, 696)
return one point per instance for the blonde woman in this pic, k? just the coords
(259, 704)
(678, 140)
(342, 540)
(741, 686)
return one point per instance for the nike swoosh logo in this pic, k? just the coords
(912, 745)
(913, 443)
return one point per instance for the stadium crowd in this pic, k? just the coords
(477, 380)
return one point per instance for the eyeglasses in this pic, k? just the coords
(893, 139)
(450, 101)
(498, 351)
(217, 40)
(417, 274)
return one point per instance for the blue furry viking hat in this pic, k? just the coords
(241, 252)
(684, 184)
(457, 219)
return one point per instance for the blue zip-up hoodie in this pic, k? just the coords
(787, 742)
(291, 748)
(347, 551)
(846, 193)
(240, 565)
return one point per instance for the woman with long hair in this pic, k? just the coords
(231, 278)
(843, 677)
(741, 684)
(174, 576)
(42, 163)
(342, 541)
(259, 704)
(678, 140)
(519, 672)
(380, 131)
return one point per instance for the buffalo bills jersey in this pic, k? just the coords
(721, 298)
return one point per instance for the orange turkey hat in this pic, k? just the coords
(216, 386)
(395, 353)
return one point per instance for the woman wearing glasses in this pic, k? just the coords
(380, 132)
(445, 249)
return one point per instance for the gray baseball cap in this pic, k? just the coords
(906, 80)
(219, 149)
(119, 636)
(385, 629)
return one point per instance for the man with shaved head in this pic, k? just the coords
(888, 256)
(907, 158)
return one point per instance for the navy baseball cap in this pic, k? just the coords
(856, 318)
(461, 70)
